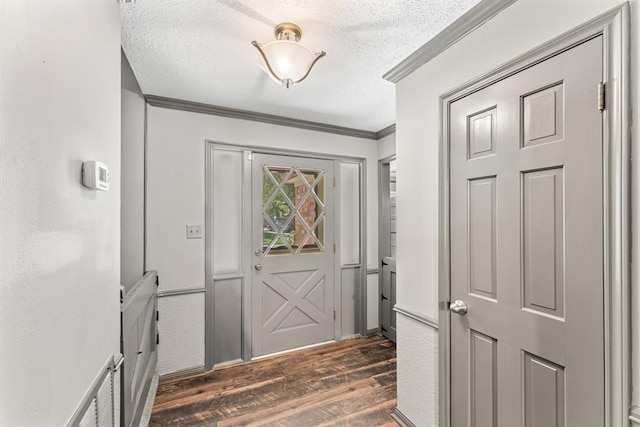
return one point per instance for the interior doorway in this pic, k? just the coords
(285, 250)
(388, 244)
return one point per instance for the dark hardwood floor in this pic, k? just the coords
(347, 383)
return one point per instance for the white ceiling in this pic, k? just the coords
(200, 50)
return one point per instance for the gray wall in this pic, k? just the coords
(59, 241)
(418, 123)
(132, 180)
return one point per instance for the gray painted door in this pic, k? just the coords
(526, 218)
(388, 297)
(387, 232)
(293, 236)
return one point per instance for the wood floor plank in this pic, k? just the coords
(350, 382)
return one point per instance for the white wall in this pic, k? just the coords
(176, 197)
(59, 242)
(387, 146)
(528, 24)
(132, 178)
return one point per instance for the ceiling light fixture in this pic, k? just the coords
(286, 60)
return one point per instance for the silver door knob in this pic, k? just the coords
(258, 267)
(458, 307)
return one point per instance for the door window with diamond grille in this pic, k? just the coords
(293, 210)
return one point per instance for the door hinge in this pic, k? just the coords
(157, 315)
(334, 182)
(334, 315)
(334, 248)
(157, 281)
(601, 96)
(382, 297)
(157, 339)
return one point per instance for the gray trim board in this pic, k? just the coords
(363, 249)
(422, 318)
(389, 130)
(209, 331)
(229, 276)
(472, 19)
(183, 373)
(214, 110)
(614, 26)
(401, 418)
(174, 292)
(144, 190)
(259, 149)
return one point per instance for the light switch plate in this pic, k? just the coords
(194, 231)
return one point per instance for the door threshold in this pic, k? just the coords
(279, 353)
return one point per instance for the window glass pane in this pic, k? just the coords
(293, 211)
(350, 213)
(227, 211)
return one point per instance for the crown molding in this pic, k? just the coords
(196, 107)
(472, 19)
(386, 131)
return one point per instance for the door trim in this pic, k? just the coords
(614, 27)
(383, 228)
(246, 276)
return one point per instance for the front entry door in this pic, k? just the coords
(292, 221)
(526, 215)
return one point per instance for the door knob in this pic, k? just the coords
(458, 307)
(258, 267)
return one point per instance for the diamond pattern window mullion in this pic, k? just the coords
(279, 186)
(310, 232)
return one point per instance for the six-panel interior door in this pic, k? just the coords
(526, 212)
(293, 258)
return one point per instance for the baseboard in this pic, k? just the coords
(401, 418)
(182, 373)
(371, 332)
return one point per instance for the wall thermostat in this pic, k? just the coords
(95, 175)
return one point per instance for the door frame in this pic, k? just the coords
(383, 226)
(614, 27)
(360, 299)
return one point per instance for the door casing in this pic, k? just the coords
(614, 26)
(360, 298)
(383, 234)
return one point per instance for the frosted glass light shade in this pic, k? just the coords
(286, 60)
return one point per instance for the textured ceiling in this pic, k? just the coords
(200, 50)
